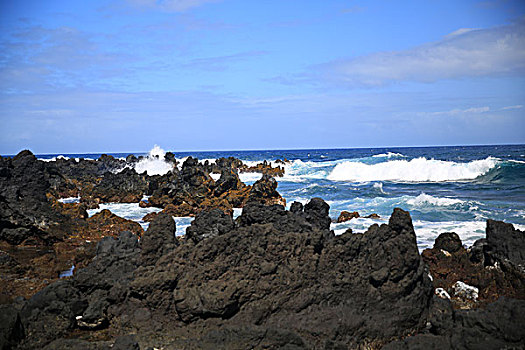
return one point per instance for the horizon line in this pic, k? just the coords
(269, 149)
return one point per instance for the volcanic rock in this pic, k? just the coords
(286, 281)
(159, 239)
(124, 187)
(209, 224)
(482, 266)
(25, 213)
(505, 243)
(499, 326)
(346, 216)
(264, 191)
(448, 241)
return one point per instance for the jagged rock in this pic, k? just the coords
(25, 213)
(124, 187)
(209, 224)
(316, 212)
(105, 223)
(504, 242)
(346, 216)
(372, 216)
(159, 239)
(307, 281)
(448, 241)
(264, 191)
(50, 313)
(11, 329)
(450, 262)
(499, 326)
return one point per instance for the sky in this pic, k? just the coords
(124, 75)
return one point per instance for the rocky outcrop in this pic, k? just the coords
(499, 326)
(491, 265)
(25, 213)
(159, 239)
(275, 279)
(124, 187)
(505, 244)
(264, 191)
(347, 216)
(209, 224)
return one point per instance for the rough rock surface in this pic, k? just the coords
(346, 216)
(159, 239)
(124, 187)
(285, 281)
(264, 191)
(505, 243)
(499, 326)
(25, 213)
(492, 265)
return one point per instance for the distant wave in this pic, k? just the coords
(388, 155)
(415, 170)
(425, 199)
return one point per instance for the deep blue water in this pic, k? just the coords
(444, 188)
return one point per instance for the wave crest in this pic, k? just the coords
(415, 170)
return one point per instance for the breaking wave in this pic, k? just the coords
(415, 170)
(154, 163)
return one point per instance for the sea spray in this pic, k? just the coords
(154, 163)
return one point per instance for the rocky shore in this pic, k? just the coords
(272, 278)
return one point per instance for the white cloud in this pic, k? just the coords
(464, 53)
(458, 111)
(171, 5)
(512, 107)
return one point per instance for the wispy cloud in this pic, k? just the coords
(464, 53)
(459, 111)
(512, 107)
(171, 5)
(37, 58)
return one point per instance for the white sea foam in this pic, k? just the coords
(215, 177)
(70, 200)
(249, 178)
(154, 163)
(54, 158)
(130, 211)
(379, 186)
(425, 199)
(388, 155)
(415, 170)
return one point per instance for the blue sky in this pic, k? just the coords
(123, 75)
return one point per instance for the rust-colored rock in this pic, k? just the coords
(264, 191)
(372, 216)
(460, 264)
(346, 216)
(105, 223)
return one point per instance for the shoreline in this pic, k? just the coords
(244, 276)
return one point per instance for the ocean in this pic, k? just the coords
(444, 188)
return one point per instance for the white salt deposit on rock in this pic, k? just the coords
(440, 292)
(464, 291)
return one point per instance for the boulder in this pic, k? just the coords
(346, 216)
(159, 239)
(264, 191)
(504, 242)
(209, 224)
(448, 241)
(499, 326)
